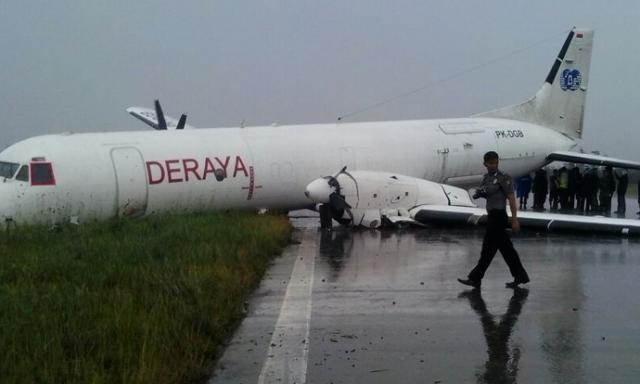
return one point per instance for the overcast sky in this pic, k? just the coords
(76, 65)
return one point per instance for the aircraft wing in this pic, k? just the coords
(149, 117)
(585, 158)
(551, 222)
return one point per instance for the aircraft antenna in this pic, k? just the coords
(448, 78)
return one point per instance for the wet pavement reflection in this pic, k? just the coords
(385, 307)
(502, 363)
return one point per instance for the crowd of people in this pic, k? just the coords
(588, 191)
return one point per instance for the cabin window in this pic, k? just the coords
(42, 174)
(7, 170)
(23, 173)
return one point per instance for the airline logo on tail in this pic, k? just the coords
(570, 79)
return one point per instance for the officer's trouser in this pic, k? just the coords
(495, 239)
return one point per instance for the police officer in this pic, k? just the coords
(623, 183)
(607, 187)
(497, 187)
(540, 188)
(553, 191)
(591, 191)
(638, 190)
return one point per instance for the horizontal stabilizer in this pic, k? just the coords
(542, 221)
(149, 117)
(585, 158)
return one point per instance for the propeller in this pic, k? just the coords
(162, 122)
(327, 192)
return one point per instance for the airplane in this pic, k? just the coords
(84, 177)
(157, 119)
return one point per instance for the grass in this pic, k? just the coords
(146, 301)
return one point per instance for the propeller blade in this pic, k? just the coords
(338, 202)
(182, 121)
(339, 205)
(341, 171)
(162, 123)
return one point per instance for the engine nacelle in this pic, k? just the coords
(371, 197)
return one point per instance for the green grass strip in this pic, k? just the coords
(146, 301)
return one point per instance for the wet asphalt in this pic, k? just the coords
(371, 306)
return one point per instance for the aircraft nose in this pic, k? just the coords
(318, 191)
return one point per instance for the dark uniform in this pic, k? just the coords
(623, 184)
(607, 187)
(497, 186)
(638, 190)
(540, 188)
(590, 185)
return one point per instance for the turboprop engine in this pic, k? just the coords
(374, 199)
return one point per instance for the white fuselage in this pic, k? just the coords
(118, 174)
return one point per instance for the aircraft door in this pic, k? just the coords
(131, 183)
(467, 143)
(438, 163)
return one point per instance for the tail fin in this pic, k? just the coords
(559, 104)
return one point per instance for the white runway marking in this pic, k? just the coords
(286, 360)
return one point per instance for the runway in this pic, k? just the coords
(385, 307)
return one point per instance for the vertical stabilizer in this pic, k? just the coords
(559, 104)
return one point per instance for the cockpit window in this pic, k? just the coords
(42, 174)
(8, 169)
(23, 173)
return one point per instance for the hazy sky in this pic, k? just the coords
(76, 65)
